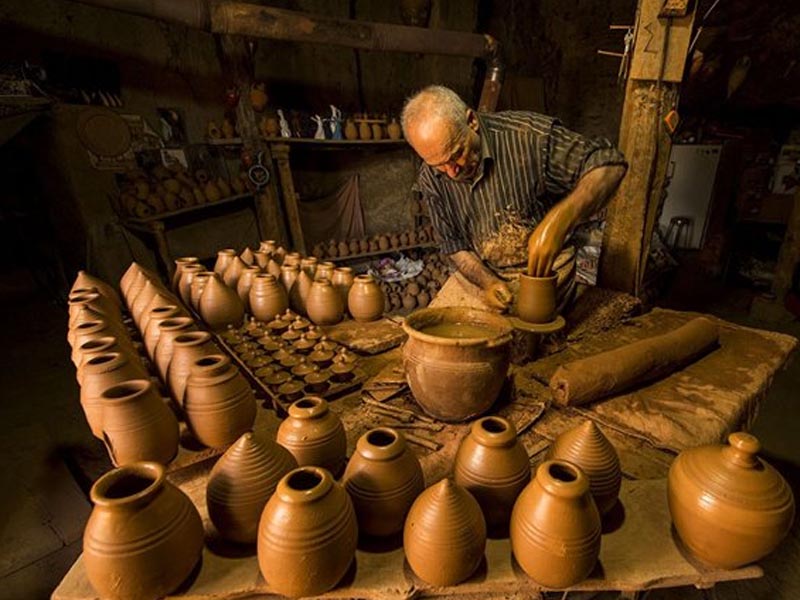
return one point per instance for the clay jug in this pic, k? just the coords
(555, 526)
(393, 130)
(444, 536)
(186, 349)
(324, 304)
(314, 435)
(342, 280)
(240, 484)
(137, 425)
(220, 306)
(224, 259)
(586, 447)
(233, 272)
(185, 283)
(364, 130)
(100, 372)
(298, 295)
(493, 466)
(199, 282)
(536, 301)
(247, 256)
(267, 298)
(350, 130)
(169, 330)
(308, 526)
(218, 401)
(180, 263)
(143, 537)
(729, 506)
(365, 301)
(383, 478)
(153, 330)
(244, 284)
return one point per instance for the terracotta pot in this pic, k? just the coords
(81, 302)
(324, 304)
(186, 349)
(493, 466)
(240, 484)
(220, 306)
(185, 282)
(169, 330)
(128, 277)
(536, 301)
(444, 535)
(555, 526)
(143, 537)
(288, 276)
(350, 130)
(159, 301)
(180, 263)
(586, 447)
(456, 360)
(233, 272)
(218, 401)
(314, 435)
(199, 282)
(267, 297)
(261, 259)
(92, 330)
(224, 259)
(383, 478)
(274, 268)
(88, 314)
(143, 298)
(137, 425)
(292, 258)
(95, 347)
(342, 280)
(729, 506)
(308, 526)
(364, 131)
(298, 295)
(247, 256)
(393, 130)
(268, 246)
(245, 283)
(153, 330)
(324, 270)
(365, 301)
(377, 131)
(85, 280)
(309, 265)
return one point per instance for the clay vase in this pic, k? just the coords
(383, 478)
(444, 536)
(324, 270)
(288, 276)
(309, 265)
(298, 295)
(393, 130)
(308, 526)
(220, 306)
(100, 372)
(240, 484)
(365, 301)
(143, 537)
(153, 330)
(536, 301)
(180, 263)
(729, 506)
(137, 425)
(350, 130)
(586, 447)
(170, 329)
(185, 282)
(324, 304)
(224, 259)
(364, 131)
(493, 466)
(186, 349)
(342, 280)
(218, 401)
(314, 435)
(199, 282)
(555, 526)
(267, 298)
(244, 284)
(232, 273)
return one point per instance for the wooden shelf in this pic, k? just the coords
(378, 253)
(282, 140)
(187, 210)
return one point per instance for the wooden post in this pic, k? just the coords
(280, 152)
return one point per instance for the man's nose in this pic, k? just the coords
(452, 170)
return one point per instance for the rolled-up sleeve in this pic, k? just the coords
(443, 219)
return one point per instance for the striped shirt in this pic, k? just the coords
(528, 163)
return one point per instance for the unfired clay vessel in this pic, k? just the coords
(342, 280)
(730, 507)
(85, 280)
(298, 295)
(308, 526)
(245, 283)
(220, 306)
(153, 330)
(444, 536)
(180, 263)
(233, 271)
(288, 276)
(536, 302)
(199, 282)
(185, 283)
(365, 301)
(170, 328)
(324, 304)
(224, 259)
(314, 435)
(267, 298)
(143, 537)
(186, 349)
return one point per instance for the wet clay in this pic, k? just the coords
(586, 380)
(536, 301)
(460, 330)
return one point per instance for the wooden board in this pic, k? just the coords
(368, 338)
(648, 54)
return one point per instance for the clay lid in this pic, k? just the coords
(290, 335)
(321, 356)
(317, 376)
(300, 323)
(270, 344)
(291, 390)
(302, 368)
(275, 377)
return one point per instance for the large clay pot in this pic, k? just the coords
(324, 304)
(153, 330)
(220, 306)
(224, 259)
(729, 506)
(143, 537)
(245, 283)
(383, 478)
(555, 526)
(308, 526)
(586, 447)
(456, 360)
(186, 349)
(240, 484)
(180, 263)
(267, 298)
(314, 435)
(536, 301)
(218, 401)
(185, 283)
(444, 535)
(298, 295)
(493, 466)
(137, 425)
(233, 271)
(365, 301)
(170, 329)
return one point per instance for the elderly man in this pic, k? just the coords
(505, 189)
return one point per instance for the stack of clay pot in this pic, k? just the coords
(385, 242)
(417, 292)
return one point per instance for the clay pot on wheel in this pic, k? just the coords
(365, 301)
(314, 435)
(536, 302)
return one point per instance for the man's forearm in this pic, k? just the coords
(592, 193)
(473, 268)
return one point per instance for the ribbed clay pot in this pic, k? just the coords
(267, 298)
(342, 280)
(456, 360)
(245, 283)
(224, 259)
(240, 484)
(444, 536)
(298, 295)
(233, 271)
(180, 264)
(586, 447)
(218, 401)
(324, 304)
(185, 282)
(220, 306)
(314, 435)
(186, 349)
(536, 301)
(383, 478)
(365, 301)
(493, 466)
(555, 526)
(143, 537)
(730, 507)
(308, 526)
(137, 425)
(153, 330)
(169, 330)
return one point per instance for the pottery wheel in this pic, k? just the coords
(103, 132)
(556, 324)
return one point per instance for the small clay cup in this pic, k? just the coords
(536, 302)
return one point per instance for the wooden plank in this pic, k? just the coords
(280, 153)
(661, 44)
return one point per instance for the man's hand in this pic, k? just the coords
(547, 240)
(498, 296)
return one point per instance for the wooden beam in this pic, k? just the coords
(280, 152)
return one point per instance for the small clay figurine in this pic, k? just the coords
(319, 134)
(335, 123)
(285, 131)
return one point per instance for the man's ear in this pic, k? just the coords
(472, 119)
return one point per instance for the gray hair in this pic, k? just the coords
(434, 102)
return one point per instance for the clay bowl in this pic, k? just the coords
(536, 302)
(456, 360)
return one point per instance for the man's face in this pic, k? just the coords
(455, 152)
